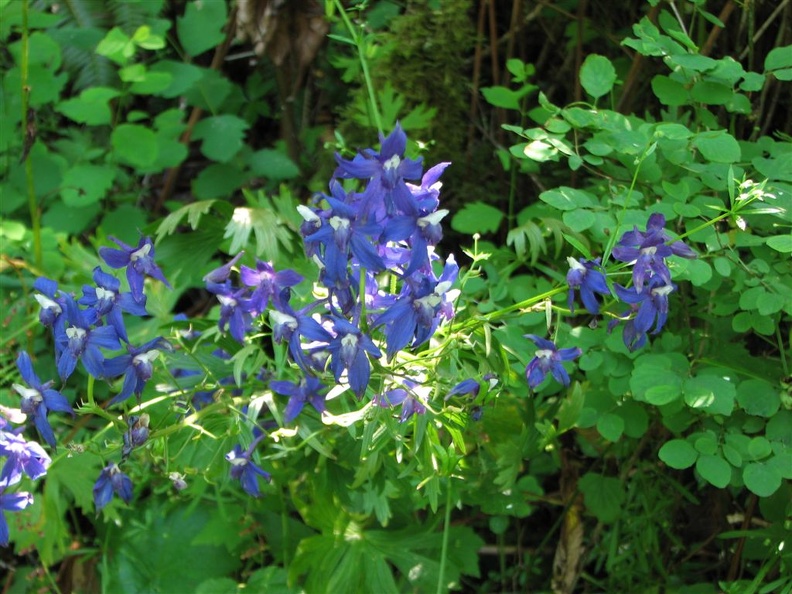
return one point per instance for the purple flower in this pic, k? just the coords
(292, 326)
(38, 399)
(109, 302)
(139, 263)
(548, 360)
(584, 276)
(268, 284)
(421, 230)
(648, 251)
(136, 367)
(221, 274)
(309, 390)
(111, 480)
(234, 310)
(349, 350)
(652, 309)
(12, 502)
(52, 304)
(410, 405)
(387, 171)
(245, 470)
(136, 434)
(22, 457)
(82, 341)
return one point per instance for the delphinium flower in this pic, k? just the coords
(584, 276)
(294, 326)
(234, 308)
(111, 480)
(136, 367)
(548, 359)
(11, 502)
(309, 391)
(410, 404)
(349, 350)
(22, 457)
(136, 434)
(471, 387)
(138, 261)
(38, 399)
(421, 229)
(51, 302)
(267, 284)
(648, 251)
(221, 274)
(109, 302)
(651, 304)
(387, 172)
(245, 470)
(83, 341)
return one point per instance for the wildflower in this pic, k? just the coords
(245, 470)
(234, 308)
(291, 326)
(81, 341)
(38, 399)
(471, 387)
(652, 309)
(12, 502)
(268, 284)
(387, 171)
(349, 350)
(401, 397)
(136, 434)
(111, 480)
(548, 359)
(136, 367)
(139, 263)
(309, 390)
(178, 481)
(584, 276)
(221, 274)
(109, 302)
(648, 251)
(52, 304)
(22, 457)
(421, 230)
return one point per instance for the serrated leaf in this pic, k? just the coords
(201, 27)
(85, 184)
(134, 145)
(603, 495)
(222, 136)
(193, 212)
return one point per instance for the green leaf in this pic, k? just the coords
(662, 394)
(711, 393)
(477, 217)
(91, 107)
(273, 165)
(201, 27)
(116, 46)
(222, 136)
(711, 93)
(221, 585)
(715, 470)
(597, 75)
(134, 145)
(610, 426)
(193, 212)
(219, 180)
(579, 219)
(759, 447)
(761, 478)
(86, 184)
(183, 77)
(124, 222)
(565, 198)
(678, 453)
(757, 397)
(781, 243)
(718, 147)
(780, 57)
(603, 495)
(669, 91)
(501, 97)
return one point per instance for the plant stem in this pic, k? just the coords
(29, 138)
(446, 530)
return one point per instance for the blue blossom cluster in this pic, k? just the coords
(87, 330)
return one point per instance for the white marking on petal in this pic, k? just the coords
(141, 253)
(392, 163)
(47, 303)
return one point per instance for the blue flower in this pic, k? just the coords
(22, 457)
(81, 341)
(292, 326)
(52, 304)
(268, 284)
(136, 434)
(234, 308)
(38, 399)
(349, 350)
(548, 360)
(584, 276)
(12, 502)
(309, 390)
(139, 263)
(109, 302)
(387, 171)
(245, 470)
(111, 480)
(410, 405)
(421, 230)
(649, 250)
(221, 274)
(136, 367)
(652, 309)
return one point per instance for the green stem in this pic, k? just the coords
(91, 401)
(35, 215)
(446, 531)
(359, 44)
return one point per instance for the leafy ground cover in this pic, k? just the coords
(380, 297)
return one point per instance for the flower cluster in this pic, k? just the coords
(88, 330)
